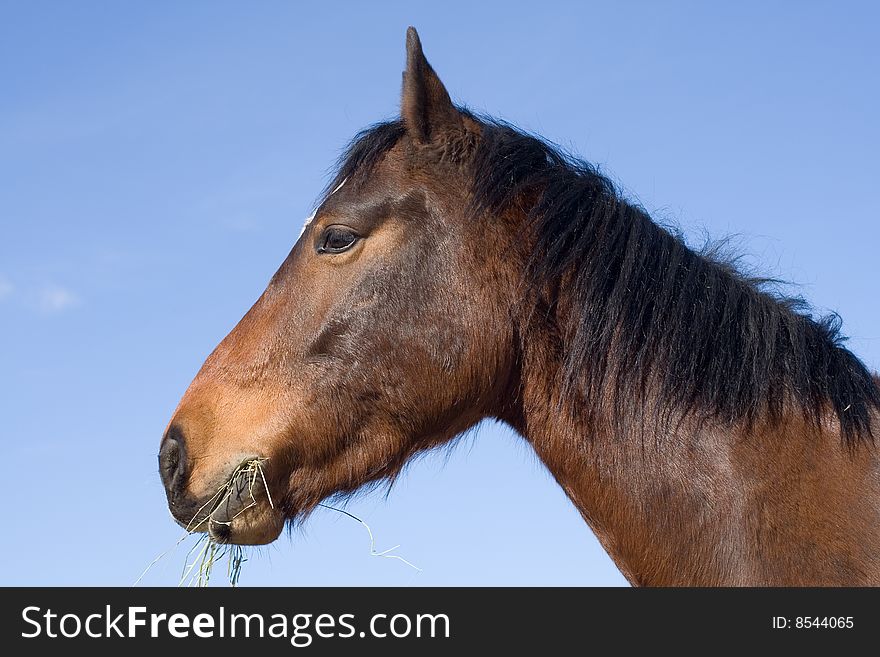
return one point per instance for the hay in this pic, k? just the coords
(206, 553)
(198, 571)
(385, 554)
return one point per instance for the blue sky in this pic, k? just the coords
(157, 160)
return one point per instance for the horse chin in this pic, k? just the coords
(257, 527)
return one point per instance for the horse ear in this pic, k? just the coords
(425, 106)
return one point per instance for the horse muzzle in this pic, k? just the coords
(239, 509)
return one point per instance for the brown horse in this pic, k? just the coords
(710, 431)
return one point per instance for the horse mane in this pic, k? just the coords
(644, 313)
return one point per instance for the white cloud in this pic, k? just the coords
(6, 288)
(54, 299)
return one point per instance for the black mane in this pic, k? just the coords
(644, 310)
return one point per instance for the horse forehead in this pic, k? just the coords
(374, 202)
(311, 217)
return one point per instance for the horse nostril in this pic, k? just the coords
(172, 461)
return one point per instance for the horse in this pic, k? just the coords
(710, 430)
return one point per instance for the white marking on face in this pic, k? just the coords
(308, 220)
(311, 217)
(338, 187)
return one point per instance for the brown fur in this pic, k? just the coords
(351, 363)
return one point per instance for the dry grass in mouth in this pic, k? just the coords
(206, 553)
(198, 572)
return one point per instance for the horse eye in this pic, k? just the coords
(336, 239)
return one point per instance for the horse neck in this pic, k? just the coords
(707, 504)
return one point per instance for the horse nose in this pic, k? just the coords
(172, 462)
